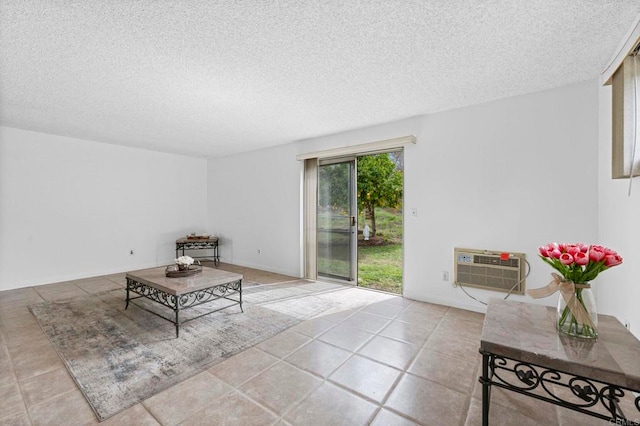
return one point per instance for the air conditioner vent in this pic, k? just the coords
(496, 261)
(490, 270)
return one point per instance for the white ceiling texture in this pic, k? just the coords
(211, 78)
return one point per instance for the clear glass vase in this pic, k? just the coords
(571, 322)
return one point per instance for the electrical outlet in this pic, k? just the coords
(445, 275)
(131, 252)
(259, 251)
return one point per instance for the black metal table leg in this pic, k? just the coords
(128, 284)
(177, 310)
(486, 389)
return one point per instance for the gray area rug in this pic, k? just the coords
(120, 357)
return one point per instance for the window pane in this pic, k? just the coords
(626, 119)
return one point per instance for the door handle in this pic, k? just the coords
(353, 221)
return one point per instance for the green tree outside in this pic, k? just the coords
(379, 197)
(379, 185)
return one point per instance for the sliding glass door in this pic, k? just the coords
(336, 219)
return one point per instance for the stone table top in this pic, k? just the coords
(197, 240)
(209, 277)
(526, 332)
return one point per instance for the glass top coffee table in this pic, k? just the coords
(184, 292)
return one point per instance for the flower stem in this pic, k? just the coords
(574, 327)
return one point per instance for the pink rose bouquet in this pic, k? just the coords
(579, 262)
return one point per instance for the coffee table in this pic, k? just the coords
(184, 292)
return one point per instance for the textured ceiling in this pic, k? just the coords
(211, 78)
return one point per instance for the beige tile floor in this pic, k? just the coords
(397, 362)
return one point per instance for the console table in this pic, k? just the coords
(210, 243)
(522, 351)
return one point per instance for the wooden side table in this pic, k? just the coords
(210, 243)
(523, 352)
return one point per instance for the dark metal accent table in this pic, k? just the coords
(183, 293)
(523, 352)
(210, 243)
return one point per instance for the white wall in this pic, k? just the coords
(73, 208)
(507, 175)
(619, 227)
(253, 203)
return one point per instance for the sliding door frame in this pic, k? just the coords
(353, 218)
(310, 192)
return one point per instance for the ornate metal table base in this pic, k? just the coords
(185, 300)
(199, 244)
(577, 393)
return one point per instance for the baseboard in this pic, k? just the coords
(454, 303)
(262, 268)
(471, 305)
(82, 275)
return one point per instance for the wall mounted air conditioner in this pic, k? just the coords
(492, 270)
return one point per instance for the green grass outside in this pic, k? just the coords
(380, 267)
(388, 223)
